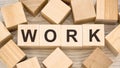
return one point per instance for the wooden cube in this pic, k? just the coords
(71, 36)
(30, 63)
(107, 11)
(11, 54)
(83, 11)
(55, 11)
(5, 35)
(50, 35)
(97, 60)
(57, 59)
(93, 35)
(13, 15)
(113, 39)
(34, 6)
(28, 35)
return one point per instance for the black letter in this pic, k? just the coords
(55, 36)
(25, 37)
(94, 35)
(72, 36)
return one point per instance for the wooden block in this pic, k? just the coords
(13, 15)
(71, 36)
(55, 11)
(83, 11)
(5, 35)
(28, 35)
(113, 39)
(50, 35)
(30, 63)
(11, 54)
(34, 6)
(93, 35)
(107, 11)
(57, 59)
(97, 60)
(5, 2)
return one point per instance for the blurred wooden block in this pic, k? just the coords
(13, 15)
(50, 35)
(34, 6)
(83, 11)
(97, 60)
(107, 11)
(57, 59)
(93, 35)
(55, 11)
(28, 35)
(30, 63)
(5, 35)
(11, 54)
(71, 36)
(113, 39)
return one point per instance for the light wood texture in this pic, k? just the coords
(34, 6)
(11, 54)
(97, 60)
(107, 11)
(5, 35)
(13, 15)
(72, 41)
(77, 56)
(112, 40)
(30, 63)
(50, 35)
(34, 31)
(57, 59)
(53, 11)
(100, 35)
(83, 11)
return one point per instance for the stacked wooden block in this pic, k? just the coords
(56, 11)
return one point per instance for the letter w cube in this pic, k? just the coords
(28, 35)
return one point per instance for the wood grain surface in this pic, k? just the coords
(77, 56)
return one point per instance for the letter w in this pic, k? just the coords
(25, 36)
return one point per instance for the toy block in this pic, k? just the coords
(11, 54)
(112, 40)
(71, 36)
(83, 11)
(13, 15)
(30, 63)
(57, 59)
(5, 35)
(93, 35)
(107, 11)
(34, 6)
(97, 60)
(55, 11)
(50, 35)
(28, 35)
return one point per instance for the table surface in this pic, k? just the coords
(77, 56)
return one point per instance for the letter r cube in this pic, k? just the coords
(93, 35)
